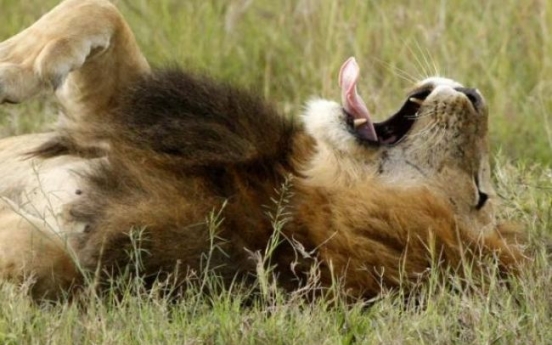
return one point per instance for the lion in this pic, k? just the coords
(375, 206)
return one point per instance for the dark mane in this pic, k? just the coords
(202, 122)
(183, 145)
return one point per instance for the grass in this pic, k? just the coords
(291, 50)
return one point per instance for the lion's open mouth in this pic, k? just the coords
(395, 128)
(388, 132)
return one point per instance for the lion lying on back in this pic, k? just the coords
(374, 204)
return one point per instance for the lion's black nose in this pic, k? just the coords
(472, 94)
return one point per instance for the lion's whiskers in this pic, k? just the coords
(436, 138)
(428, 128)
(420, 116)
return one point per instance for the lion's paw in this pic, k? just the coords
(26, 69)
(42, 56)
(17, 83)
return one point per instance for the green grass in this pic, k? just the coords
(291, 50)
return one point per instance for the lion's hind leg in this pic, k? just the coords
(30, 253)
(82, 49)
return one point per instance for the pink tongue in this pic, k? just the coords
(352, 102)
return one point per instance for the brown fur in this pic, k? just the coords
(171, 147)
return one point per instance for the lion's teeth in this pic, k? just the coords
(359, 122)
(416, 100)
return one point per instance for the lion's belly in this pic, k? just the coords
(39, 187)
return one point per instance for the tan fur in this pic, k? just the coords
(86, 52)
(30, 252)
(375, 216)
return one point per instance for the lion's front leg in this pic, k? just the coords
(82, 49)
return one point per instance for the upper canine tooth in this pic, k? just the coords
(359, 122)
(416, 100)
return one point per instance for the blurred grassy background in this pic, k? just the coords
(291, 50)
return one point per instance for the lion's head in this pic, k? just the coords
(437, 139)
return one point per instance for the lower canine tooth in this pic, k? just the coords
(359, 122)
(416, 100)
